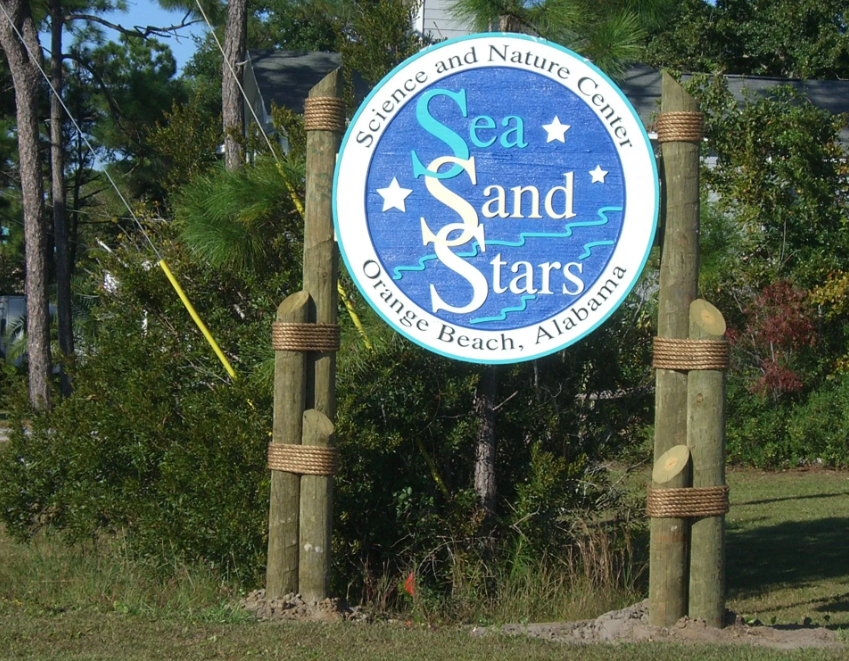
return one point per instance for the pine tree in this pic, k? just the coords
(23, 54)
(611, 34)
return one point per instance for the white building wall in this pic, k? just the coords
(435, 19)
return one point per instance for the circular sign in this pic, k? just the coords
(495, 198)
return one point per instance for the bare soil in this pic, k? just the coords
(631, 625)
(292, 607)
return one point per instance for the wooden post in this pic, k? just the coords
(316, 514)
(281, 575)
(321, 269)
(706, 440)
(321, 257)
(668, 561)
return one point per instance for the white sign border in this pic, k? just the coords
(516, 345)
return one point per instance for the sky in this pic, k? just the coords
(148, 12)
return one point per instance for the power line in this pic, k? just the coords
(238, 82)
(77, 127)
(50, 232)
(99, 214)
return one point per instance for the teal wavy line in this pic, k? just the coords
(420, 267)
(565, 234)
(503, 314)
(588, 248)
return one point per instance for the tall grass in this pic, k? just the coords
(47, 576)
(600, 571)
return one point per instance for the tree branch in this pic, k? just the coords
(138, 30)
(114, 109)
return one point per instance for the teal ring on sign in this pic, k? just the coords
(495, 198)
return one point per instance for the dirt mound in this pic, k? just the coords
(631, 625)
(292, 607)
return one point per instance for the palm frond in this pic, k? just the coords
(16, 339)
(232, 219)
(615, 42)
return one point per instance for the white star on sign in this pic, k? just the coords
(394, 196)
(556, 130)
(598, 175)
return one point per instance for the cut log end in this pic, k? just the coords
(296, 301)
(330, 85)
(318, 428)
(670, 464)
(707, 318)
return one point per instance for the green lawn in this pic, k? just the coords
(116, 637)
(788, 547)
(788, 559)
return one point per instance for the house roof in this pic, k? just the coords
(286, 77)
(641, 84)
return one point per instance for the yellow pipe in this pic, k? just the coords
(434, 473)
(197, 319)
(347, 301)
(292, 193)
(354, 316)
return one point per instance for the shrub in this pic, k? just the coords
(153, 440)
(818, 429)
(157, 442)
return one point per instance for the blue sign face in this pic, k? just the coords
(495, 198)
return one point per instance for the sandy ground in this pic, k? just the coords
(631, 625)
(292, 607)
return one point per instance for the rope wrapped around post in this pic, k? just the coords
(303, 459)
(689, 502)
(323, 338)
(324, 113)
(682, 126)
(677, 354)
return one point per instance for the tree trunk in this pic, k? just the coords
(60, 220)
(232, 108)
(25, 77)
(508, 23)
(485, 455)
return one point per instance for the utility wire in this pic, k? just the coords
(349, 306)
(77, 127)
(201, 326)
(238, 82)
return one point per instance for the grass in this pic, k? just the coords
(46, 577)
(788, 560)
(788, 547)
(117, 637)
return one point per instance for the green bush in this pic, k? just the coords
(811, 430)
(818, 429)
(756, 428)
(407, 434)
(152, 441)
(157, 442)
